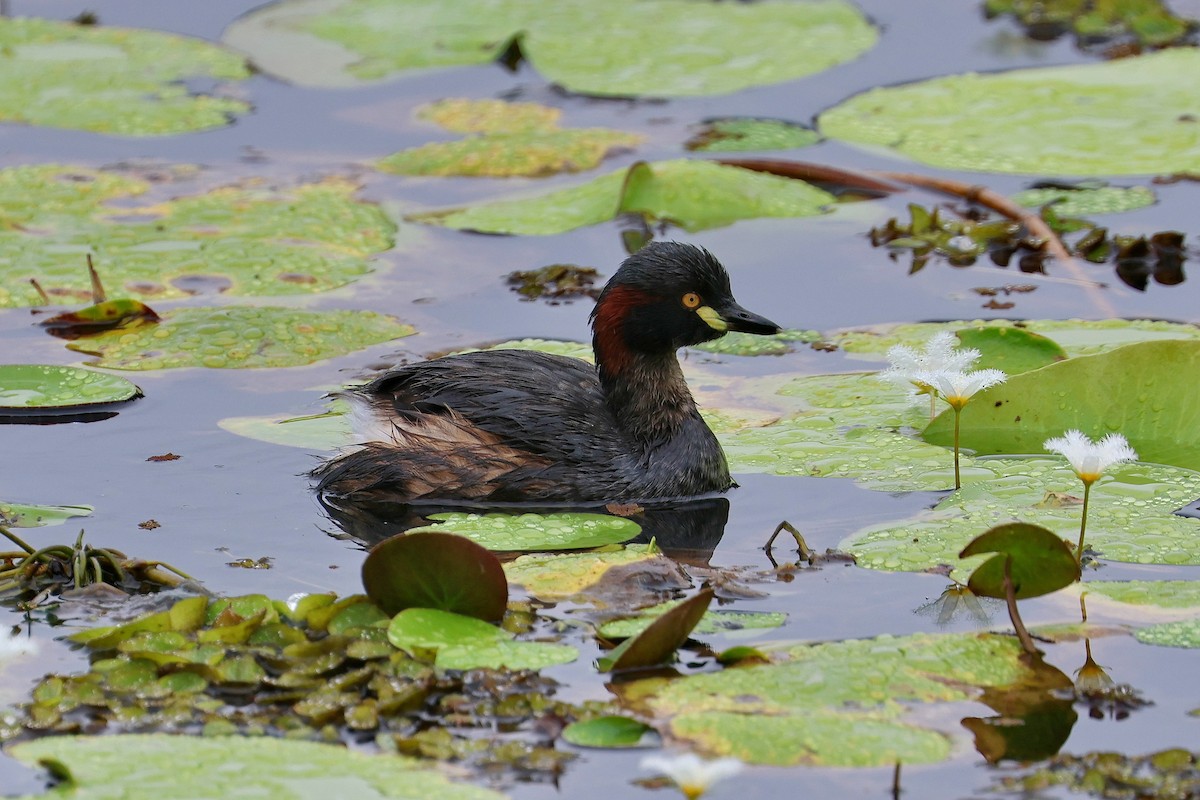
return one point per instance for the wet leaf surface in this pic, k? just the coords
(35, 387)
(25, 515)
(1083, 201)
(112, 80)
(722, 48)
(1157, 776)
(743, 135)
(530, 532)
(436, 570)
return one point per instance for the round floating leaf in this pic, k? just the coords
(1123, 117)
(38, 387)
(435, 570)
(216, 768)
(240, 337)
(611, 48)
(235, 240)
(1037, 561)
(1014, 350)
(1142, 390)
(313, 432)
(506, 155)
(695, 195)
(505, 655)
(112, 80)
(1087, 202)
(552, 578)
(20, 515)
(1163, 594)
(609, 732)
(415, 629)
(529, 532)
(748, 344)
(742, 135)
(661, 638)
(1185, 633)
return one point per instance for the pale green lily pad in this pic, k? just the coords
(736, 135)
(527, 532)
(553, 346)
(153, 766)
(713, 621)
(820, 738)
(468, 643)
(611, 48)
(240, 337)
(470, 115)
(866, 682)
(695, 195)
(1077, 337)
(22, 515)
(609, 731)
(513, 154)
(557, 577)
(1184, 633)
(1011, 349)
(1130, 515)
(749, 344)
(34, 386)
(234, 240)
(1129, 116)
(112, 80)
(1087, 202)
(312, 432)
(1144, 390)
(1162, 594)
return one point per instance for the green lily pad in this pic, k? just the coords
(695, 195)
(1125, 117)
(507, 155)
(42, 386)
(1037, 561)
(112, 80)
(254, 241)
(1087, 202)
(608, 732)
(711, 622)
(470, 115)
(1014, 350)
(1162, 594)
(748, 344)
(435, 570)
(552, 578)
(21, 515)
(1184, 633)
(468, 643)
(658, 642)
(312, 432)
(833, 703)
(234, 337)
(529, 532)
(1142, 390)
(612, 48)
(736, 135)
(1130, 515)
(103, 767)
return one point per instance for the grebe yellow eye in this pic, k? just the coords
(691, 300)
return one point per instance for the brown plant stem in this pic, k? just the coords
(1010, 597)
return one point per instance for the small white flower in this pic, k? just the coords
(13, 646)
(1090, 459)
(957, 387)
(692, 774)
(940, 354)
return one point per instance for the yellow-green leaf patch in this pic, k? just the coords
(528, 532)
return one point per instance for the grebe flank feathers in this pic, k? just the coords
(522, 426)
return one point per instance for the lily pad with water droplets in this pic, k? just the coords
(119, 81)
(611, 48)
(236, 337)
(552, 578)
(836, 703)
(22, 515)
(1130, 515)
(251, 240)
(468, 643)
(736, 135)
(695, 195)
(216, 768)
(1159, 594)
(1144, 391)
(714, 621)
(34, 387)
(1182, 633)
(1087, 202)
(1129, 116)
(530, 532)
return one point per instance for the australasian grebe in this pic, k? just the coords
(517, 425)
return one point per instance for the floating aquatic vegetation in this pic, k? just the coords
(459, 642)
(39, 389)
(552, 578)
(243, 240)
(556, 283)
(609, 731)
(693, 194)
(436, 571)
(1184, 633)
(658, 641)
(529, 532)
(112, 80)
(24, 515)
(1077, 201)
(1127, 117)
(734, 134)
(236, 337)
(1165, 775)
(715, 621)
(1160, 594)
(1113, 27)
(530, 144)
(612, 48)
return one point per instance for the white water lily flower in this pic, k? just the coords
(1090, 459)
(692, 774)
(958, 387)
(940, 354)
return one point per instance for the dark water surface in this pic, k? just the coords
(230, 497)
